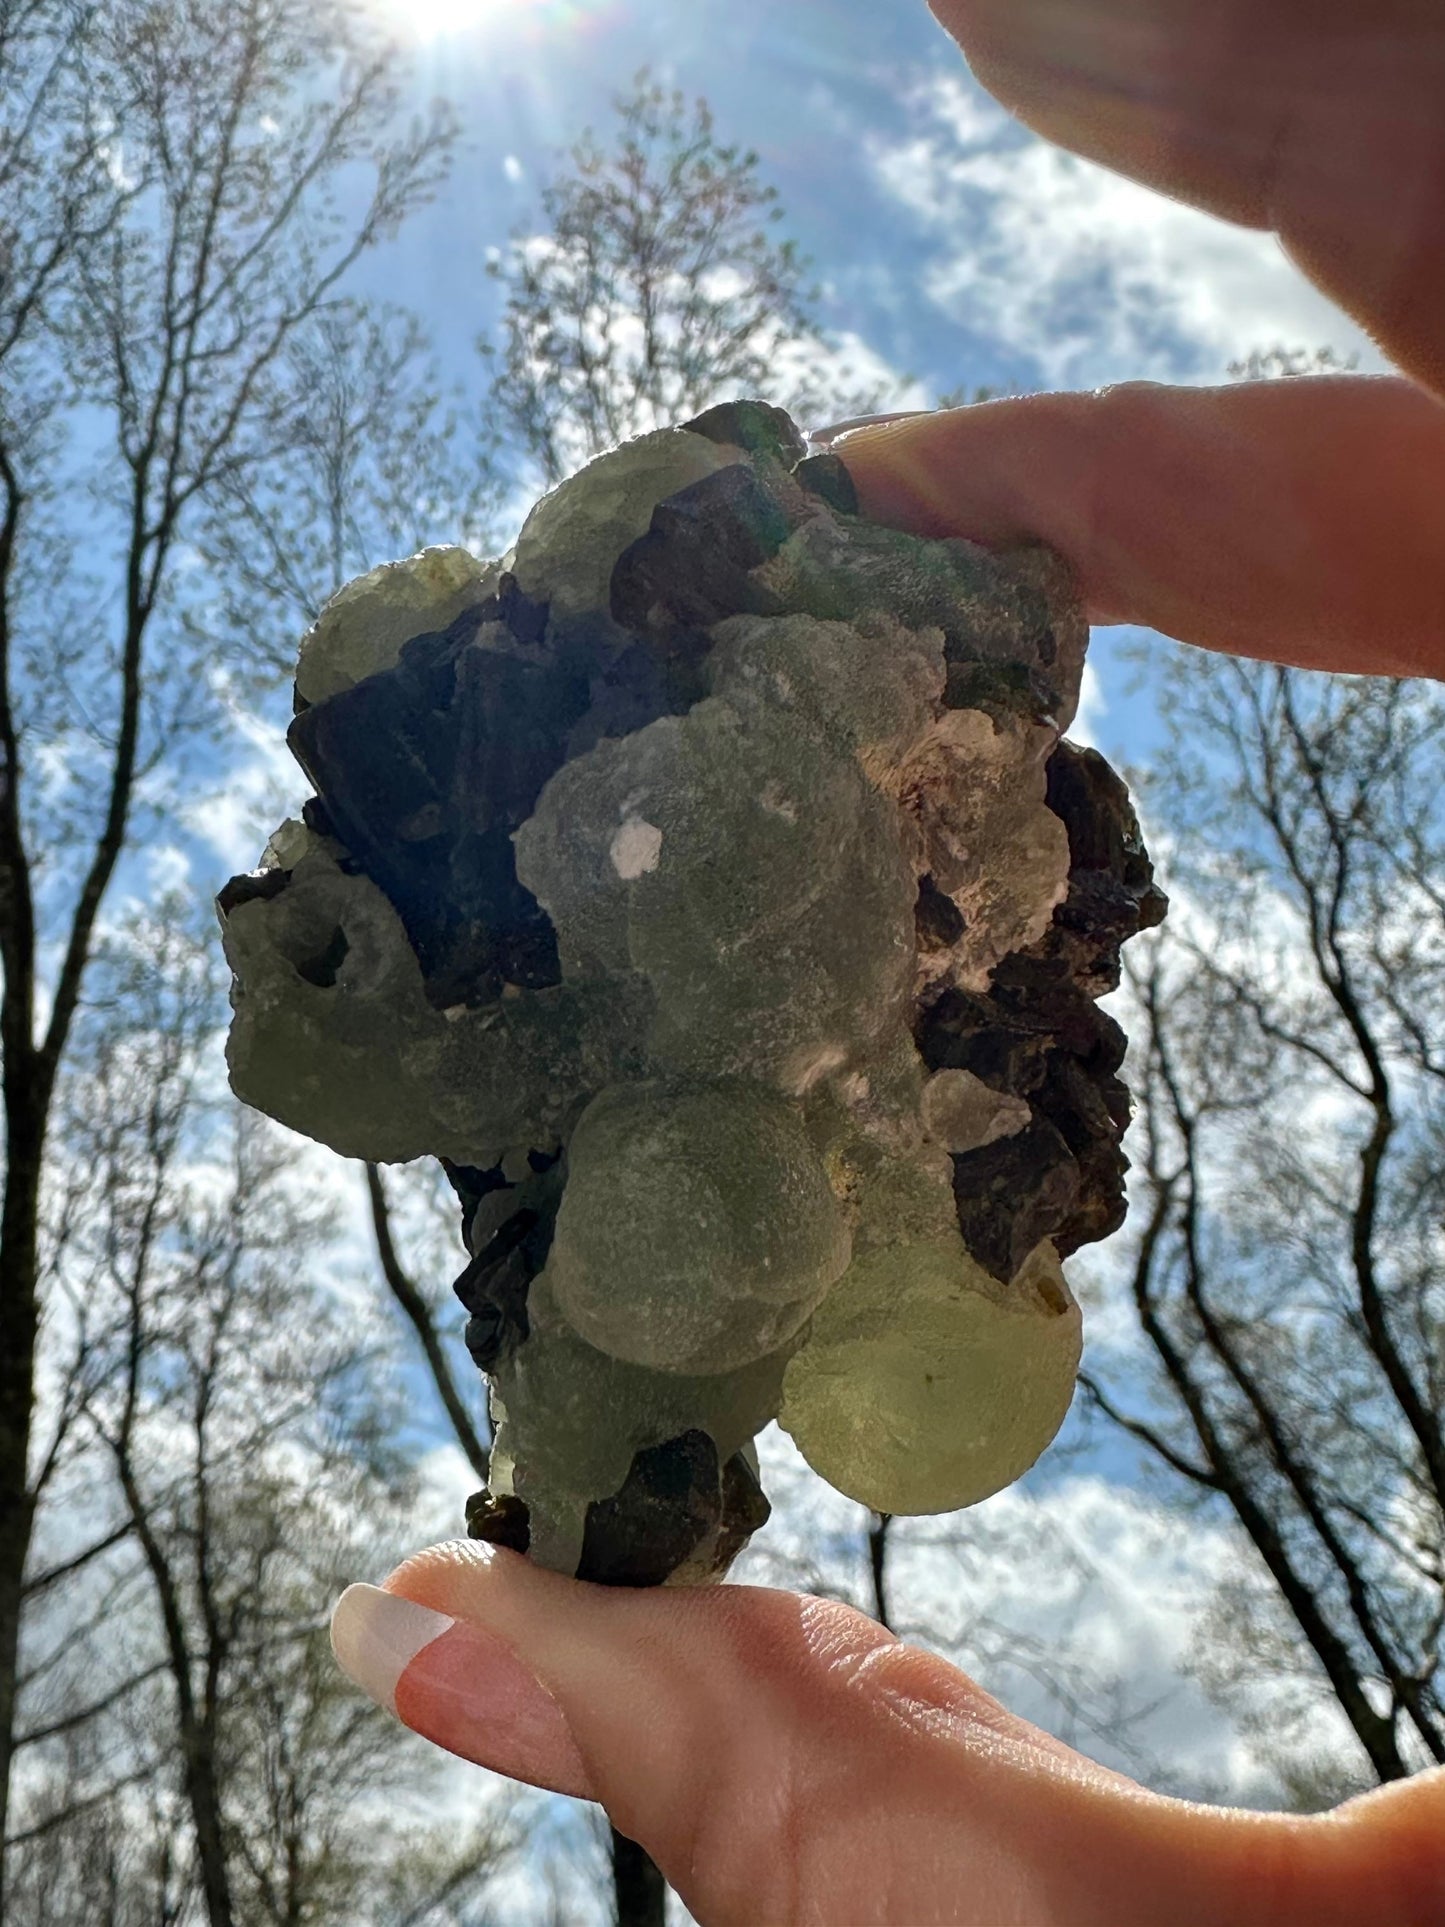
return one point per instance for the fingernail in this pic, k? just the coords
(458, 1685)
(831, 433)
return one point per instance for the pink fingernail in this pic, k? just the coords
(457, 1684)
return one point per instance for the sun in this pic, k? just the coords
(428, 20)
(435, 23)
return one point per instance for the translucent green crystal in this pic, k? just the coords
(922, 1386)
(570, 542)
(332, 1032)
(697, 1230)
(569, 1420)
(364, 625)
(759, 885)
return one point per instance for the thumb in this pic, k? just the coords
(785, 1759)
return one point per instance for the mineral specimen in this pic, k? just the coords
(709, 886)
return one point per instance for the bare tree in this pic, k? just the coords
(378, 460)
(654, 286)
(235, 1417)
(1287, 1276)
(173, 221)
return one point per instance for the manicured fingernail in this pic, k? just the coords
(375, 1636)
(823, 436)
(457, 1684)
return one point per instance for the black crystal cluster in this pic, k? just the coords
(1038, 1034)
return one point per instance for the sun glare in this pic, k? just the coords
(434, 23)
(427, 20)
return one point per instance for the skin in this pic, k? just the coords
(785, 1759)
(1301, 524)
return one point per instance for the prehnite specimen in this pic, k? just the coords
(709, 887)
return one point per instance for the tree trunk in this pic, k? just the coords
(878, 1565)
(204, 1797)
(196, 1730)
(638, 1889)
(403, 1288)
(25, 1134)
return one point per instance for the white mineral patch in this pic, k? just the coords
(636, 848)
(810, 1066)
(961, 1113)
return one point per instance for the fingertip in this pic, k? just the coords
(375, 1636)
(1301, 521)
(1011, 469)
(451, 1677)
(835, 431)
(708, 1721)
(452, 1570)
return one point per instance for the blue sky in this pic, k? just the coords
(954, 243)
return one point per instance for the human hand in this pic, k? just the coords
(1303, 522)
(786, 1760)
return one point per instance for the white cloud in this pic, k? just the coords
(446, 1481)
(1092, 276)
(167, 868)
(1093, 707)
(239, 812)
(512, 167)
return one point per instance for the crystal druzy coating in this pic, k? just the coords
(709, 886)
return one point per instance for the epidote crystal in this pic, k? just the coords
(709, 886)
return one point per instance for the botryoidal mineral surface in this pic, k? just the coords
(710, 887)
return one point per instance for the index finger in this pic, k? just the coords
(1323, 120)
(1300, 520)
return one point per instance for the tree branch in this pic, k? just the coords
(415, 1306)
(1157, 1443)
(67, 1568)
